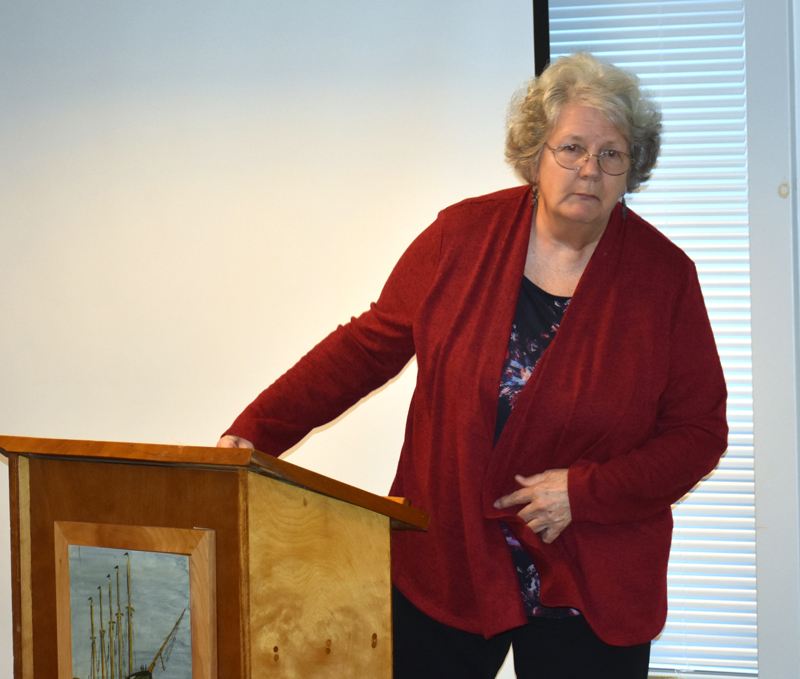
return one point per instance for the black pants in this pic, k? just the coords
(545, 648)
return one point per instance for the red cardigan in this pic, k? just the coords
(630, 397)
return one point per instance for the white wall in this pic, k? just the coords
(193, 193)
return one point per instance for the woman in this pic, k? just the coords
(550, 504)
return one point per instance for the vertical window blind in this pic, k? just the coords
(690, 54)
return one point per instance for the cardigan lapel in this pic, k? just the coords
(571, 375)
(500, 289)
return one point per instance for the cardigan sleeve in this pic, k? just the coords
(689, 437)
(354, 360)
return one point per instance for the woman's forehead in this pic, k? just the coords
(586, 123)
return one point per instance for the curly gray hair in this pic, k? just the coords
(580, 78)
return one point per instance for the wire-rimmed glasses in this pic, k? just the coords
(574, 157)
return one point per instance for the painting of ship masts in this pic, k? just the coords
(129, 614)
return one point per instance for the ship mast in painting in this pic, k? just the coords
(102, 638)
(119, 625)
(110, 664)
(94, 644)
(130, 619)
(111, 626)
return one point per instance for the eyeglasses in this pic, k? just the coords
(574, 157)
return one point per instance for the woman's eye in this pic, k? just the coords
(572, 149)
(613, 153)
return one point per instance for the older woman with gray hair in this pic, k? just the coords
(568, 392)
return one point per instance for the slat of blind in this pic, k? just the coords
(690, 55)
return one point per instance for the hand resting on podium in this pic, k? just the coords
(230, 441)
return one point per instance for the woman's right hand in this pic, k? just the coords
(230, 441)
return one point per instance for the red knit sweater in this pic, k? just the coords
(630, 397)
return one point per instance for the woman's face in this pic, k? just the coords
(586, 195)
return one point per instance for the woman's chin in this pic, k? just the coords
(586, 214)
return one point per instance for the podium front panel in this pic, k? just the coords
(130, 495)
(320, 585)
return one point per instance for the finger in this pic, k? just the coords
(550, 529)
(504, 502)
(518, 497)
(230, 441)
(548, 536)
(550, 533)
(536, 523)
(529, 481)
(547, 533)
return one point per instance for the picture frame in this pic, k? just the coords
(197, 545)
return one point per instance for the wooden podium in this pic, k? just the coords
(282, 572)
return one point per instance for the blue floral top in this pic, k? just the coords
(536, 321)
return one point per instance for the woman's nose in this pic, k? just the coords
(591, 166)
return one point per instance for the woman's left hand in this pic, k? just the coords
(546, 501)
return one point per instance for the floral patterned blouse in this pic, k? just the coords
(536, 321)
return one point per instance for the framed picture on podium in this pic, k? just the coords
(131, 600)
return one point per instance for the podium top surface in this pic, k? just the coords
(403, 516)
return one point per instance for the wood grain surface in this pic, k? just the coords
(320, 586)
(23, 666)
(404, 517)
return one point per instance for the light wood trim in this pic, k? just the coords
(127, 452)
(244, 575)
(203, 585)
(197, 544)
(16, 632)
(403, 516)
(63, 606)
(25, 580)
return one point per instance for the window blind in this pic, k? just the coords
(691, 56)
